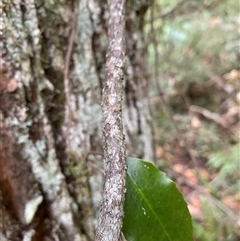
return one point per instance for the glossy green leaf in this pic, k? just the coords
(154, 208)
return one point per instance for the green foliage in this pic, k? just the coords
(226, 160)
(193, 54)
(192, 51)
(227, 163)
(154, 208)
(216, 225)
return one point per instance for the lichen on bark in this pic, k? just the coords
(34, 42)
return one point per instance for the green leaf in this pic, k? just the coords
(154, 208)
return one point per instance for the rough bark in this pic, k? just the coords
(50, 115)
(40, 187)
(137, 112)
(111, 213)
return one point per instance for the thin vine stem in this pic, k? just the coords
(111, 210)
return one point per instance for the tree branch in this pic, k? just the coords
(111, 213)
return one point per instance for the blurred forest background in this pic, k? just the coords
(195, 98)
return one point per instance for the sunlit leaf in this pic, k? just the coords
(154, 208)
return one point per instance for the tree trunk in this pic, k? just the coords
(52, 69)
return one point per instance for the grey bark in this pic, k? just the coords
(111, 213)
(50, 115)
(137, 112)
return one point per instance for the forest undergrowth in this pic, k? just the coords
(195, 99)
